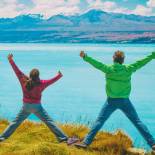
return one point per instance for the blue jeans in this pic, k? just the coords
(127, 108)
(40, 112)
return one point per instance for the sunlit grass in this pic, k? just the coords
(33, 138)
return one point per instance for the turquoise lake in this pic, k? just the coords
(80, 94)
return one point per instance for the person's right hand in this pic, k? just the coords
(59, 72)
(10, 56)
(153, 53)
(82, 54)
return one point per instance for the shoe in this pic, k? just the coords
(2, 139)
(63, 140)
(72, 140)
(153, 148)
(81, 145)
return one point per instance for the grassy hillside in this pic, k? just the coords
(36, 139)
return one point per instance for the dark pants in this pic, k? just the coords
(127, 108)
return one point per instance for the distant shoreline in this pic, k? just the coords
(76, 43)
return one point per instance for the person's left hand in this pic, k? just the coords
(10, 56)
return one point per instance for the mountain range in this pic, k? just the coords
(94, 26)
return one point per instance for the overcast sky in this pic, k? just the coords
(12, 8)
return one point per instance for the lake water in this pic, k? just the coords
(80, 94)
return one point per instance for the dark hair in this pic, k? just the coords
(119, 57)
(33, 79)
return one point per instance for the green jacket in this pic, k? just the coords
(118, 76)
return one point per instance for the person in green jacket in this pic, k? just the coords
(118, 88)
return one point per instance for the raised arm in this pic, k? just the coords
(103, 67)
(140, 63)
(46, 83)
(17, 71)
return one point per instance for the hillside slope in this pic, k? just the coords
(35, 139)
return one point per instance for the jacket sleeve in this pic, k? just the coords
(17, 71)
(140, 63)
(46, 83)
(103, 67)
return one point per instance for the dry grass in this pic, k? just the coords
(36, 139)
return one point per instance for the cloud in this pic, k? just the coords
(11, 8)
(48, 8)
(142, 10)
(98, 4)
(107, 6)
(151, 3)
(110, 6)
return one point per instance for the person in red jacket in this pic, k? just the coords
(32, 88)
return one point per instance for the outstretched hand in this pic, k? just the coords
(10, 56)
(60, 73)
(82, 54)
(153, 53)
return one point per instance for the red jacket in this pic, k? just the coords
(33, 96)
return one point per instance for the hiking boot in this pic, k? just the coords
(81, 145)
(2, 139)
(63, 140)
(153, 148)
(72, 140)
